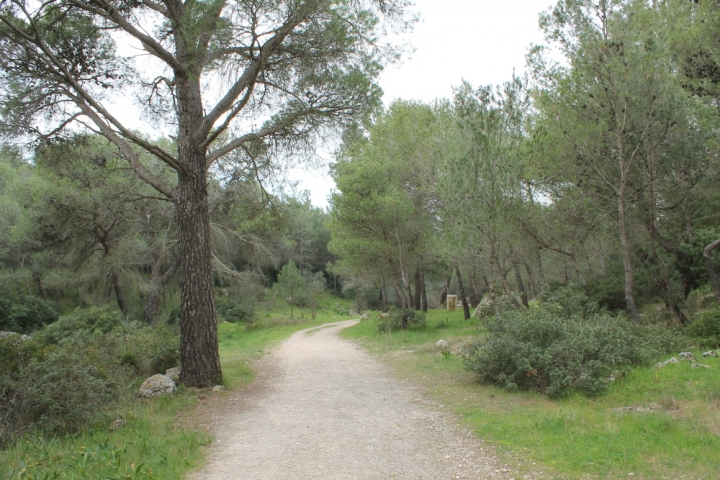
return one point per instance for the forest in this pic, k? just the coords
(589, 183)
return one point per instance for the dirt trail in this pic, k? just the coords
(323, 408)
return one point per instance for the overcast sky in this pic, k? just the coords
(480, 41)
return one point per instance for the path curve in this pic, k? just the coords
(327, 410)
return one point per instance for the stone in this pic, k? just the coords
(384, 315)
(667, 362)
(218, 388)
(711, 353)
(442, 345)
(699, 365)
(687, 356)
(174, 373)
(156, 386)
(365, 316)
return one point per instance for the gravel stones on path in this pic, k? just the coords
(325, 409)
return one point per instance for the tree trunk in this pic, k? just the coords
(711, 269)
(418, 290)
(157, 282)
(627, 260)
(518, 279)
(446, 289)
(402, 299)
(383, 294)
(199, 355)
(491, 289)
(42, 288)
(461, 292)
(541, 272)
(119, 293)
(576, 266)
(533, 281)
(475, 295)
(423, 292)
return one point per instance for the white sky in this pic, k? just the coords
(480, 41)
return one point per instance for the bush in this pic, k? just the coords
(706, 328)
(341, 309)
(401, 319)
(569, 301)
(236, 312)
(367, 298)
(555, 354)
(609, 292)
(45, 389)
(80, 324)
(26, 314)
(68, 383)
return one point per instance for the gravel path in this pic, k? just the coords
(323, 408)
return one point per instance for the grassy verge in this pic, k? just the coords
(672, 429)
(152, 443)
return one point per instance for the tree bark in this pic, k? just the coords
(446, 289)
(418, 290)
(518, 278)
(423, 292)
(576, 266)
(157, 281)
(461, 292)
(199, 354)
(627, 261)
(474, 294)
(383, 294)
(491, 289)
(119, 293)
(711, 269)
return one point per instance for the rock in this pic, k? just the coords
(442, 345)
(384, 315)
(667, 362)
(711, 353)
(174, 373)
(218, 388)
(687, 356)
(699, 365)
(365, 316)
(117, 424)
(157, 385)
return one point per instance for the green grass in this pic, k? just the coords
(149, 446)
(575, 436)
(153, 443)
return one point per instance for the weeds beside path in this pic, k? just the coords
(670, 430)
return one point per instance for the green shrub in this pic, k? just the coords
(341, 309)
(47, 389)
(401, 319)
(26, 314)
(568, 301)
(236, 312)
(368, 298)
(80, 324)
(69, 382)
(706, 328)
(609, 292)
(555, 354)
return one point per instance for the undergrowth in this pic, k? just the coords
(653, 423)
